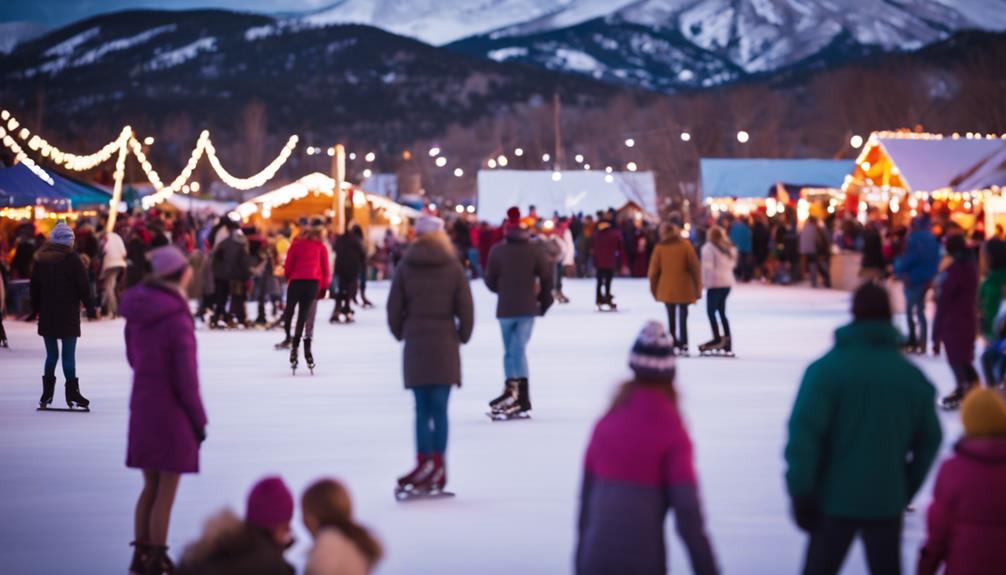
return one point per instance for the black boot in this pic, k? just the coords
(524, 394)
(140, 553)
(510, 394)
(48, 390)
(157, 561)
(308, 356)
(294, 360)
(73, 396)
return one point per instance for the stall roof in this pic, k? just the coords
(313, 183)
(929, 164)
(577, 191)
(26, 189)
(755, 178)
(988, 172)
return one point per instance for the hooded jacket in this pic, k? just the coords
(231, 261)
(166, 415)
(607, 246)
(229, 546)
(58, 287)
(921, 259)
(861, 411)
(967, 518)
(675, 272)
(519, 272)
(430, 309)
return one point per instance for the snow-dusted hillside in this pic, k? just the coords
(14, 33)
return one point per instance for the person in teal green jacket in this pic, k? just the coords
(862, 436)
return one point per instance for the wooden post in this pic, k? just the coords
(338, 197)
(557, 109)
(120, 175)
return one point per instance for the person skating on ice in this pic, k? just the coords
(521, 276)
(719, 258)
(675, 280)
(607, 248)
(58, 288)
(167, 421)
(917, 267)
(640, 458)
(956, 321)
(308, 273)
(430, 309)
(350, 260)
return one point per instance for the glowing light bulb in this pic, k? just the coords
(629, 142)
(743, 137)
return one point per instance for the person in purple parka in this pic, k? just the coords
(956, 322)
(167, 422)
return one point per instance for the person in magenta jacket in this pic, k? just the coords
(967, 518)
(167, 422)
(639, 466)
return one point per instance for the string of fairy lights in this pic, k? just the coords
(11, 130)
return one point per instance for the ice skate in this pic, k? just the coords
(426, 481)
(952, 401)
(510, 391)
(48, 390)
(560, 297)
(716, 348)
(515, 406)
(681, 350)
(308, 356)
(285, 344)
(140, 552)
(293, 356)
(4, 344)
(607, 304)
(157, 561)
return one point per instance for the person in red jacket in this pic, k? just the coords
(308, 275)
(606, 245)
(967, 519)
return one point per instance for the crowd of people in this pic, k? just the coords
(863, 433)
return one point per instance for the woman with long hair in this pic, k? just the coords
(640, 459)
(167, 422)
(341, 545)
(675, 280)
(308, 272)
(719, 258)
(430, 309)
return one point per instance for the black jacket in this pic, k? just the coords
(873, 248)
(59, 287)
(520, 273)
(231, 261)
(349, 256)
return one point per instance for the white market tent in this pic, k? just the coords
(574, 192)
(929, 164)
(756, 177)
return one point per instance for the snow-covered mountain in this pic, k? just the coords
(663, 44)
(14, 33)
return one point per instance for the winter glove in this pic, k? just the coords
(806, 513)
(201, 435)
(545, 301)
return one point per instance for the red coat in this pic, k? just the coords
(967, 519)
(607, 247)
(307, 259)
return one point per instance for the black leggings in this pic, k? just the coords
(300, 293)
(347, 293)
(965, 376)
(604, 278)
(716, 302)
(682, 313)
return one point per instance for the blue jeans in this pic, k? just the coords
(915, 309)
(69, 356)
(473, 261)
(516, 334)
(431, 418)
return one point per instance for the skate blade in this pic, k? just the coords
(504, 417)
(716, 354)
(65, 409)
(405, 495)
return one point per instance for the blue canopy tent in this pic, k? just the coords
(757, 178)
(19, 187)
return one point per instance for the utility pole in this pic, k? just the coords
(338, 197)
(557, 107)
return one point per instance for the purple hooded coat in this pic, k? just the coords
(165, 411)
(956, 322)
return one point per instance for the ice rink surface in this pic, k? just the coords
(66, 497)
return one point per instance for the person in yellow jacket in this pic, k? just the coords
(675, 280)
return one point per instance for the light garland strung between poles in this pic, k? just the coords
(125, 143)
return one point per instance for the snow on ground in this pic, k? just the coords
(68, 497)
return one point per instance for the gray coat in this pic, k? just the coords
(520, 272)
(430, 308)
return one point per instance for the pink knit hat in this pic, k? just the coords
(270, 504)
(166, 260)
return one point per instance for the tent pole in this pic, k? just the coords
(120, 175)
(338, 198)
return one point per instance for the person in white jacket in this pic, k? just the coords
(113, 263)
(719, 258)
(341, 546)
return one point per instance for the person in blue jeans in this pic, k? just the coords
(917, 267)
(430, 309)
(521, 274)
(59, 286)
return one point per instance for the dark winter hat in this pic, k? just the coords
(270, 504)
(165, 261)
(956, 244)
(513, 215)
(652, 356)
(61, 234)
(870, 302)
